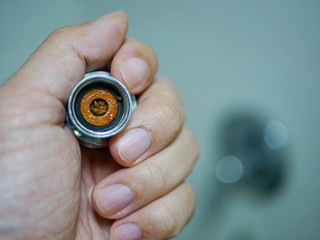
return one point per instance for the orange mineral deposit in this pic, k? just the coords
(99, 107)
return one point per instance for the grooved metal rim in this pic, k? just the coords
(90, 136)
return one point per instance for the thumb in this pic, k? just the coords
(63, 58)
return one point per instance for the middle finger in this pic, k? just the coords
(153, 126)
(132, 188)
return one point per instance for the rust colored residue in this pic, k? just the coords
(99, 107)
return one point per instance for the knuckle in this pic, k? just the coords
(115, 29)
(158, 176)
(164, 222)
(169, 221)
(170, 118)
(67, 34)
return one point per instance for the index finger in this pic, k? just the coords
(135, 65)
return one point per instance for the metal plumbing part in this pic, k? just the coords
(99, 107)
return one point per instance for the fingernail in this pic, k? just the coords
(113, 198)
(134, 71)
(133, 144)
(127, 231)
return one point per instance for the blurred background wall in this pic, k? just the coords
(257, 60)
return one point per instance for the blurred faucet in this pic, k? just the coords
(252, 153)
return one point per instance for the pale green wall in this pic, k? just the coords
(233, 54)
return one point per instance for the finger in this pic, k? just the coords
(132, 188)
(69, 52)
(162, 219)
(135, 65)
(153, 126)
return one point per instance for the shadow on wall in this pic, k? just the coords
(252, 160)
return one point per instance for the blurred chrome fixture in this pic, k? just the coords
(252, 153)
(99, 107)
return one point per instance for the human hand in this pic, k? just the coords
(50, 187)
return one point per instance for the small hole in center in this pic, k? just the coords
(98, 107)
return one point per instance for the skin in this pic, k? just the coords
(49, 185)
